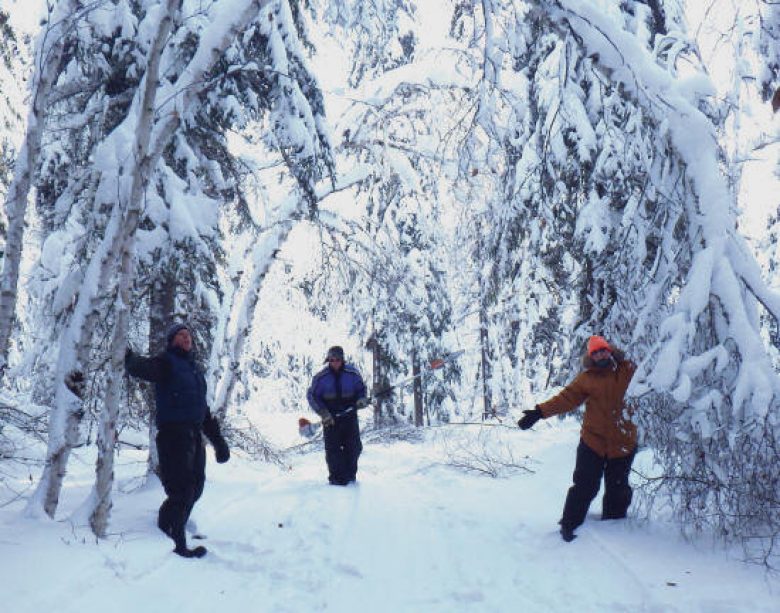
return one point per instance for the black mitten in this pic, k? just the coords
(221, 449)
(212, 431)
(75, 382)
(529, 418)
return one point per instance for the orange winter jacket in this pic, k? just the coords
(607, 428)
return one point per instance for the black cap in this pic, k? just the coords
(335, 352)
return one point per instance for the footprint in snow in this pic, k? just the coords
(348, 569)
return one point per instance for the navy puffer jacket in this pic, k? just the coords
(182, 396)
(180, 387)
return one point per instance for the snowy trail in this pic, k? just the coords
(414, 535)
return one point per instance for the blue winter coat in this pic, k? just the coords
(336, 391)
(180, 387)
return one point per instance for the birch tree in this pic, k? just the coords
(10, 119)
(190, 83)
(626, 152)
(140, 168)
(76, 340)
(47, 65)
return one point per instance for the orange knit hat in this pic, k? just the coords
(597, 342)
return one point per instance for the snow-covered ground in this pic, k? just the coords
(416, 534)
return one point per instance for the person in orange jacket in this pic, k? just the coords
(608, 436)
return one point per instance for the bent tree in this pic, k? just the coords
(113, 172)
(611, 209)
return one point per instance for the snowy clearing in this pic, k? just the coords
(414, 535)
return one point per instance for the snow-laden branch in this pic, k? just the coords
(133, 168)
(180, 98)
(260, 258)
(100, 500)
(720, 269)
(430, 73)
(48, 53)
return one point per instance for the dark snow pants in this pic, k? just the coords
(589, 470)
(342, 449)
(183, 474)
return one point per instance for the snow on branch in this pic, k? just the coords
(716, 274)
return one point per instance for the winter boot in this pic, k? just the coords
(181, 545)
(185, 552)
(567, 534)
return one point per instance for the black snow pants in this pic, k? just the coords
(342, 449)
(183, 474)
(588, 472)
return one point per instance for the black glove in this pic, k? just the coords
(75, 382)
(221, 449)
(327, 418)
(213, 433)
(363, 402)
(529, 418)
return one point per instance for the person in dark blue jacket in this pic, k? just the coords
(182, 418)
(336, 392)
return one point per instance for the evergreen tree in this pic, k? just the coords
(378, 33)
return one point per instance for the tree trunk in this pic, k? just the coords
(76, 341)
(376, 377)
(484, 337)
(26, 167)
(75, 345)
(262, 258)
(162, 304)
(141, 170)
(417, 388)
(487, 370)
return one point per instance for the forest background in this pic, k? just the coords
(408, 180)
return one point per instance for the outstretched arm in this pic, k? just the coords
(569, 398)
(155, 370)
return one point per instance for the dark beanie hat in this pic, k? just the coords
(335, 352)
(173, 330)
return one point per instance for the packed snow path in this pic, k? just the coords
(414, 535)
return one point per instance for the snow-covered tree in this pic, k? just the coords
(612, 215)
(10, 119)
(377, 33)
(399, 295)
(769, 81)
(769, 48)
(388, 261)
(47, 65)
(163, 117)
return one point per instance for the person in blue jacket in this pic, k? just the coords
(182, 418)
(335, 394)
